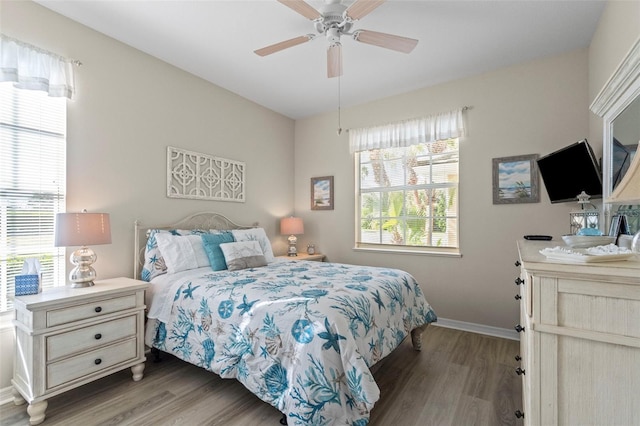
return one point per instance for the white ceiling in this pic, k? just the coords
(215, 40)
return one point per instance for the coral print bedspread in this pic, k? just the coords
(299, 335)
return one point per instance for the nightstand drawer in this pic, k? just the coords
(64, 344)
(80, 366)
(90, 310)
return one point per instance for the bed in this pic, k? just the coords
(302, 336)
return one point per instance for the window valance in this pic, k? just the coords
(30, 67)
(445, 125)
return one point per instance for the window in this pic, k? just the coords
(32, 184)
(408, 197)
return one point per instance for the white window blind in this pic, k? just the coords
(32, 184)
(408, 198)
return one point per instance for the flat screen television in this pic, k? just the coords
(569, 171)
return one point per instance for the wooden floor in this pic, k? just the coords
(459, 378)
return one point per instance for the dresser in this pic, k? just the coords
(579, 340)
(66, 337)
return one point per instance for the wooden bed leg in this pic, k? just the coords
(283, 420)
(156, 355)
(416, 337)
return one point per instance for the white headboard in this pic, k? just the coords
(203, 220)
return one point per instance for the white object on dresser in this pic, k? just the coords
(579, 341)
(66, 337)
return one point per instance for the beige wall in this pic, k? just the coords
(129, 107)
(618, 29)
(533, 108)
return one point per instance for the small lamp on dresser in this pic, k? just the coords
(82, 229)
(292, 226)
(628, 192)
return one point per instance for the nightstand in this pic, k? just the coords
(317, 257)
(67, 337)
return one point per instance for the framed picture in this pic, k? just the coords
(515, 180)
(322, 193)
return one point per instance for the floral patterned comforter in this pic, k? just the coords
(299, 335)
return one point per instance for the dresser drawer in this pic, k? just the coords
(64, 344)
(88, 363)
(90, 310)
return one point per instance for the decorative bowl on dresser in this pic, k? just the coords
(67, 337)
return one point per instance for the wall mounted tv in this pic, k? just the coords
(569, 171)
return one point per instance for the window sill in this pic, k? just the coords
(418, 252)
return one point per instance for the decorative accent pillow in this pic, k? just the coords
(256, 234)
(182, 253)
(211, 243)
(242, 255)
(154, 263)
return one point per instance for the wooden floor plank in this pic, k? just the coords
(459, 379)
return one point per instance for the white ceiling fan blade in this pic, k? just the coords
(302, 8)
(388, 41)
(334, 60)
(283, 45)
(362, 8)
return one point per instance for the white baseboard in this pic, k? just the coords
(504, 333)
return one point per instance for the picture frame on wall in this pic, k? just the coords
(515, 180)
(322, 193)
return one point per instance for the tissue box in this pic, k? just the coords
(27, 284)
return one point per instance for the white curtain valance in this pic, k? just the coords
(445, 125)
(35, 69)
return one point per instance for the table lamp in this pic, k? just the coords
(82, 229)
(292, 226)
(628, 192)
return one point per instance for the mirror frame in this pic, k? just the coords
(622, 88)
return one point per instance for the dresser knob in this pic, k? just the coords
(519, 281)
(519, 371)
(518, 358)
(518, 297)
(98, 336)
(98, 309)
(519, 328)
(518, 263)
(98, 361)
(519, 414)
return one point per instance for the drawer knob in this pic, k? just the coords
(518, 263)
(519, 328)
(519, 414)
(98, 309)
(519, 281)
(518, 358)
(519, 371)
(518, 297)
(98, 361)
(98, 336)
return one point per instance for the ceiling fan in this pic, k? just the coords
(335, 20)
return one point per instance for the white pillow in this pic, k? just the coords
(256, 234)
(182, 252)
(242, 255)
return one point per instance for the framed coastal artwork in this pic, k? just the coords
(515, 180)
(322, 193)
